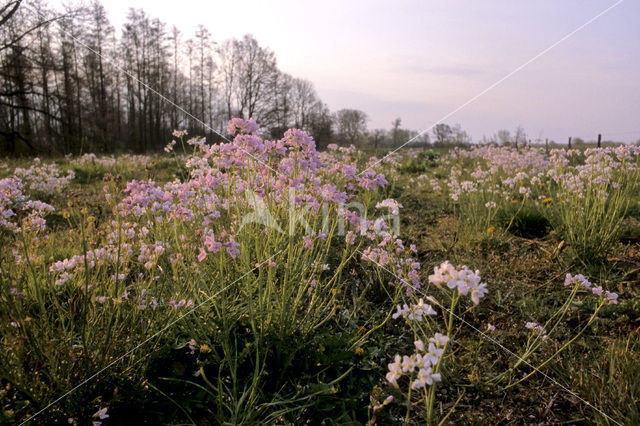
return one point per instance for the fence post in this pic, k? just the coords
(546, 145)
(569, 142)
(599, 140)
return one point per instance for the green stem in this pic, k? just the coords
(593, 316)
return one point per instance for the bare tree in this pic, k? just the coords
(98, 34)
(279, 117)
(419, 139)
(204, 68)
(351, 124)
(520, 136)
(377, 136)
(395, 131)
(460, 136)
(443, 134)
(303, 98)
(321, 125)
(255, 68)
(503, 137)
(176, 76)
(228, 59)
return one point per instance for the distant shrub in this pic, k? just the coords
(633, 210)
(630, 232)
(42, 178)
(421, 163)
(526, 222)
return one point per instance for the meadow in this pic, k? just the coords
(265, 282)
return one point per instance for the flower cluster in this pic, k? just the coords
(65, 269)
(461, 278)
(577, 279)
(239, 125)
(393, 205)
(505, 175)
(607, 296)
(423, 361)
(170, 146)
(17, 212)
(537, 329)
(92, 159)
(179, 133)
(108, 161)
(414, 312)
(181, 303)
(100, 414)
(43, 178)
(196, 222)
(391, 253)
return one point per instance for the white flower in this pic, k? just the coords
(408, 363)
(536, 327)
(612, 298)
(577, 279)
(434, 353)
(169, 146)
(414, 312)
(392, 204)
(439, 339)
(461, 279)
(101, 413)
(425, 377)
(423, 361)
(395, 371)
(442, 274)
(402, 312)
(423, 309)
(478, 292)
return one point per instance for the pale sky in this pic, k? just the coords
(420, 60)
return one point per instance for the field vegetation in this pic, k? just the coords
(264, 281)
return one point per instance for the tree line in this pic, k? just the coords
(68, 84)
(440, 135)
